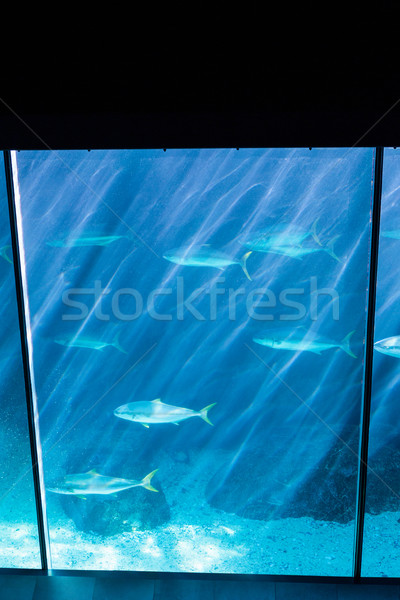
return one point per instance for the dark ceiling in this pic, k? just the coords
(298, 91)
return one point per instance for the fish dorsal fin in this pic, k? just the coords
(92, 472)
(156, 401)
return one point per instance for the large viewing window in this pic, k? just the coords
(198, 322)
(19, 544)
(189, 338)
(381, 554)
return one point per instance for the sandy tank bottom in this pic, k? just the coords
(201, 539)
(233, 545)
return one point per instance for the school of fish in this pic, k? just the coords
(283, 239)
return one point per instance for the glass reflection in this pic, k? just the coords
(380, 551)
(198, 320)
(19, 545)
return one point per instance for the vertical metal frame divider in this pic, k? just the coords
(32, 412)
(367, 383)
(368, 363)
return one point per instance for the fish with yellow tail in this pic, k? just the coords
(281, 235)
(289, 240)
(155, 412)
(83, 484)
(205, 256)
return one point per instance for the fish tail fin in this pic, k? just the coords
(204, 415)
(4, 254)
(117, 344)
(329, 248)
(243, 262)
(345, 345)
(146, 481)
(314, 232)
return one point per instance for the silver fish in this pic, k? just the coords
(282, 235)
(300, 251)
(300, 340)
(85, 240)
(205, 256)
(82, 341)
(155, 412)
(83, 484)
(390, 346)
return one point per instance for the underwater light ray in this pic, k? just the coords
(55, 293)
(306, 198)
(134, 233)
(95, 306)
(185, 198)
(370, 469)
(88, 411)
(217, 178)
(246, 184)
(387, 304)
(84, 183)
(216, 216)
(259, 210)
(104, 395)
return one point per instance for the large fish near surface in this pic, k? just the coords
(154, 412)
(282, 235)
(205, 256)
(390, 346)
(86, 240)
(288, 240)
(299, 340)
(83, 484)
(82, 341)
(300, 251)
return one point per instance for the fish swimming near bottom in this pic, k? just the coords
(390, 346)
(205, 256)
(83, 484)
(300, 339)
(82, 341)
(155, 412)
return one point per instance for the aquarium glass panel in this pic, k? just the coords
(198, 319)
(19, 545)
(381, 555)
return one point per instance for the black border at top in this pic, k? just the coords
(199, 129)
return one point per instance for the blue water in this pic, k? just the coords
(18, 530)
(270, 487)
(383, 493)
